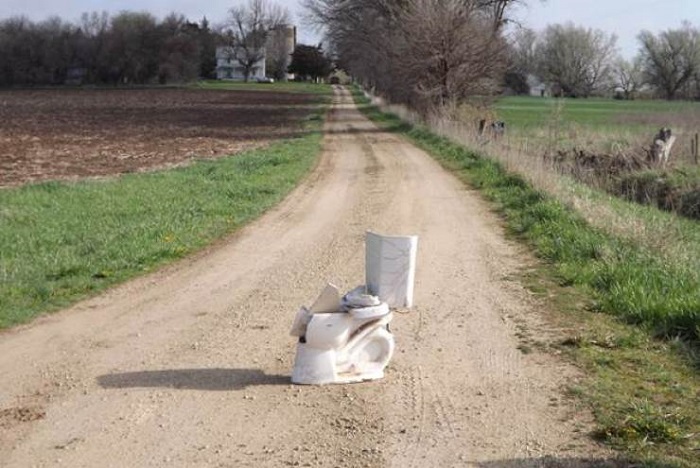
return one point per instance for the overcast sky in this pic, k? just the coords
(623, 17)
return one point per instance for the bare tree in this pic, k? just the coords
(522, 50)
(132, 47)
(496, 10)
(419, 52)
(671, 59)
(521, 60)
(180, 50)
(448, 52)
(627, 76)
(249, 25)
(576, 59)
(127, 48)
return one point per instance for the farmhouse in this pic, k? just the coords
(275, 57)
(229, 68)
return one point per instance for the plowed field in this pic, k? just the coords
(71, 134)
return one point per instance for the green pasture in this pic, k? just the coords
(523, 112)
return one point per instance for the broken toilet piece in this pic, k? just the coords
(344, 340)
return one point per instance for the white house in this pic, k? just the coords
(280, 44)
(228, 68)
(537, 87)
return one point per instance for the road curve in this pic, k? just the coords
(190, 366)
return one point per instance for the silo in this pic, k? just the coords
(281, 42)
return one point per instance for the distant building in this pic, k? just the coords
(75, 76)
(228, 68)
(276, 57)
(537, 88)
(281, 42)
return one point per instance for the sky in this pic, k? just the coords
(625, 18)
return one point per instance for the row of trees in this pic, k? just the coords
(578, 61)
(125, 48)
(424, 53)
(135, 48)
(310, 62)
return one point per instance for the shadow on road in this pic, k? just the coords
(193, 379)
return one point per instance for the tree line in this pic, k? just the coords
(579, 62)
(136, 48)
(428, 53)
(127, 48)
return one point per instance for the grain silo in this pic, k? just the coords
(281, 42)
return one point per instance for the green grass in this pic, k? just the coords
(525, 112)
(671, 190)
(643, 391)
(626, 279)
(60, 241)
(282, 86)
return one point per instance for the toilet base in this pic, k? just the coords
(318, 367)
(361, 360)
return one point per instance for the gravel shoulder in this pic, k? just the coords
(190, 366)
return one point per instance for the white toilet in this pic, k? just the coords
(345, 340)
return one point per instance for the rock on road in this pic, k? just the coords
(190, 366)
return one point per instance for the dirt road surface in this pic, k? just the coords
(190, 366)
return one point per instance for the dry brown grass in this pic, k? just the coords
(666, 234)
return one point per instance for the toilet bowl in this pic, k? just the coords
(346, 340)
(344, 347)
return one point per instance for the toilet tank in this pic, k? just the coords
(390, 268)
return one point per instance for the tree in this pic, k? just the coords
(249, 28)
(576, 59)
(522, 51)
(15, 52)
(423, 53)
(127, 48)
(91, 46)
(207, 50)
(627, 76)
(521, 60)
(448, 53)
(496, 10)
(179, 50)
(133, 48)
(310, 61)
(671, 59)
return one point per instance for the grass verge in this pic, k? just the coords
(643, 391)
(61, 242)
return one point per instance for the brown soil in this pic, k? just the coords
(69, 134)
(190, 366)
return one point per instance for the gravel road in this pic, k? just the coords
(190, 366)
